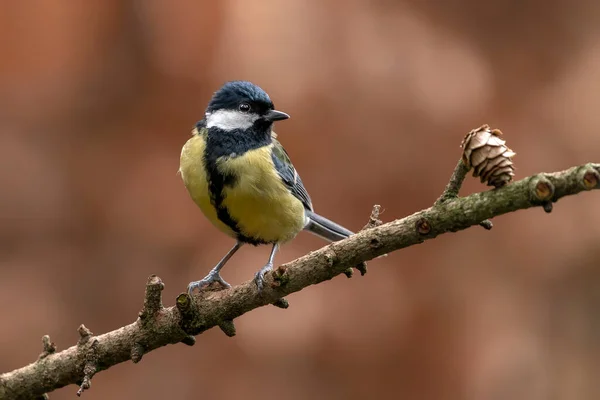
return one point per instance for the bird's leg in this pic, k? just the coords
(259, 278)
(213, 275)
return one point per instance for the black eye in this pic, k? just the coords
(244, 107)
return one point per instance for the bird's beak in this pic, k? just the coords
(275, 115)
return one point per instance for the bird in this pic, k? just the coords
(243, 181)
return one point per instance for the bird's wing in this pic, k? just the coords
(288, 174)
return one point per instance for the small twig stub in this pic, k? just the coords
(152, 297)
(47, 347)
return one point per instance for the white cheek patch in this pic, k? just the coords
(229, 120)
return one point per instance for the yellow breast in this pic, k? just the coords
(195, 180)
(258, 201)
(263, 207)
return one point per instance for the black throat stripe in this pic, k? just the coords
(228, 144)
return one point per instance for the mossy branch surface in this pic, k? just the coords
(157, 326)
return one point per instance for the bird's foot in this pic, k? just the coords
(259, 277)
(207, 280)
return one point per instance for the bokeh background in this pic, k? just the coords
(97, 98)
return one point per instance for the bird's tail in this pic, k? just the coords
(325, 228)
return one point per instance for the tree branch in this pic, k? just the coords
(157, 326)
(454, 184)
(453, 187)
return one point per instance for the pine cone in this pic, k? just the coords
(487, 154)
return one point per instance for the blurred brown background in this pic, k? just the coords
(97, 98)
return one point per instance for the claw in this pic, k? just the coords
(259, 277)
(207, 280)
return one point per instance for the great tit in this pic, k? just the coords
(242, 178)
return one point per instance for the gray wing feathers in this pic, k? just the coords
(315, 223)
(288, 174)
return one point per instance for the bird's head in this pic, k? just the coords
(240, 105)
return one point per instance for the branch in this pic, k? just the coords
(453, 187)
(157, 326)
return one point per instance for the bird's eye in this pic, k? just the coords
(244, 107)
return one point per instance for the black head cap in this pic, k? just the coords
(234, 93)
